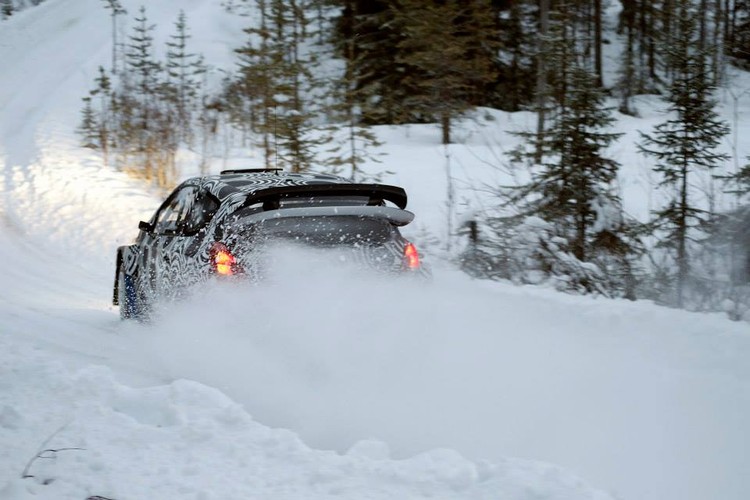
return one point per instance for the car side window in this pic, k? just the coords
(201, 212)
(173, 216)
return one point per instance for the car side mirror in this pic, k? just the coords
(145, 226)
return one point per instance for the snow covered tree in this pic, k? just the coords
(684, 144)
(574, 172)
(571, 189)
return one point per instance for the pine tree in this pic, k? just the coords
(628, 83)
(514, 86)
(684, 144)
(89, 126)
(574, 173)
(94, 128)
(146, 131)
(116, 9)
(144, 76)
(739, 182)
(461, 32)
(255, 83)
(6, 9)
(276, 79)
(350, 142)
(293, 114)
(184, 70)
(737, 38)
(103, 91)
(367, 37)
(557, 53)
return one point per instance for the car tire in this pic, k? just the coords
(131, 303)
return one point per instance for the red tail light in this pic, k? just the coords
(222, 260)
(411, 256)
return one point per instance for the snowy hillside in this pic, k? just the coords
(320, 386)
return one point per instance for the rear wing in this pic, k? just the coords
(395, 216)
(376, 193)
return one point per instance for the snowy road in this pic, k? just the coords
(643, 402)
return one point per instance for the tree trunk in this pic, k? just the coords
(114, 41)
(717, 49)
(702, 34)
(541, 76)
(579, 247)
(598, 42)
(683, 266)
(445, 125)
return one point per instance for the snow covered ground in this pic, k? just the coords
(321, 386)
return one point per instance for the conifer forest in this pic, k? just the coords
(313, 79)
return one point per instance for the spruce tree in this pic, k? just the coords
(184, 70)
(367, 37)
(144, 77)
(6, 9)
(685, 144)
(514, 86)
(450, 47)
(103, 91)
(574, 173)
(116, 9)
(146, 131)
(349, 142)
(275, 75)
(739, 182)
(251, 95)
(628, 82)
(737, 37)
(294, 84)
(88, 129)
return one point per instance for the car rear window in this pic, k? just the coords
(326, 230)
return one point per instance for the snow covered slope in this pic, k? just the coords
(420, 391)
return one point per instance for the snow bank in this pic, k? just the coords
(94, 436)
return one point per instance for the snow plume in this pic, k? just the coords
(337, 356)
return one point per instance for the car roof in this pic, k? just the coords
(232, 182)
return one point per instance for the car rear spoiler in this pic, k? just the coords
(395, 216)
(377, 193)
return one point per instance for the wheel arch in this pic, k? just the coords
(126, 259)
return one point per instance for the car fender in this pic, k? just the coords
(127, 260)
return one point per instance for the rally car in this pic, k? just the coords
(220, 226)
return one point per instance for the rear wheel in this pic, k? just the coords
(131, 303)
